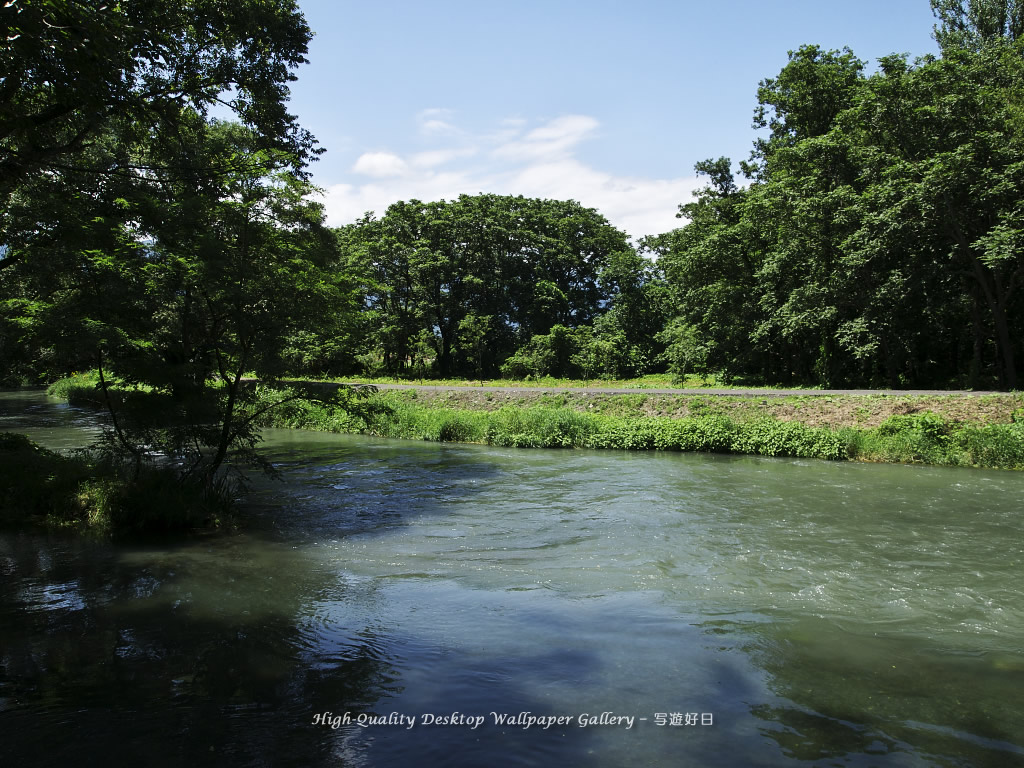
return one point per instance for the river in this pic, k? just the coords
(394, 603)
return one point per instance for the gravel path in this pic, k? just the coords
(697, 392)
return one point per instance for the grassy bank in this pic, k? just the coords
(952, 430)
(866, 429)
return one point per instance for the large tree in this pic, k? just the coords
(439, 272)
(880, 239)
(941, 147)
(712, 270)
(185, 287)
(169, 251)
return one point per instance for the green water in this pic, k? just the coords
(815, 613)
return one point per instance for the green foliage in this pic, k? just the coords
(930, 439)
(928, 424)
(169, 252)
(619, 424)
(545, 355)
(684, 350)
(78, 389)
(404, 420)
(156, 501)
(38, 486)
(342, 409)
(879, 242)
(540, 428)
(456, 287)
(974, 24)
(555, 426)
(993, 445)
(77, 70)
(603, 351)
(768, 437)
(219, 284)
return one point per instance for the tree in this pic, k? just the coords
(945, 176)
(711, 266)
(626, 340)
(802, 102)
(973, 24)
(529, 265)
(879, 240)
(473, 330)
(73, 71)
(799, 209)
(173, 309)
(684, 351)
(239, 267)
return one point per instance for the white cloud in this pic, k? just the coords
(434, 113)
(380, 165)
(540, 163)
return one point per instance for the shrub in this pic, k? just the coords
(994, 445)
(78, 389)
(36, 482)
(40, 486)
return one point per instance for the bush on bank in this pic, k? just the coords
(45, 488)
(917, 438)
(79, 389)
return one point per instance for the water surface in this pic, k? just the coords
(797, 612)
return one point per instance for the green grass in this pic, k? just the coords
(920, 438)
(926, 438)
(78, 389)
(618, 422)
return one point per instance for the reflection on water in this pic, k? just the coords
(818, 614)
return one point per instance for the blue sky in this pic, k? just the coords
(608, 103)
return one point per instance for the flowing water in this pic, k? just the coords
(393, 603)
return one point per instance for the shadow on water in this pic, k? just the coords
(109, 651)
(223, 651)
(219, 654)
(331, 485)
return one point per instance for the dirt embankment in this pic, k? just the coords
(811, 409)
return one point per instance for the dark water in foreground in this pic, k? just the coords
(800, 612)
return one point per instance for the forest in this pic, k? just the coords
(873, 238)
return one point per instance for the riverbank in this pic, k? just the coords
(949, 430)
(955, 429)
(865, 409)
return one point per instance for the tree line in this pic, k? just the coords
(879, 241)
(875, 237)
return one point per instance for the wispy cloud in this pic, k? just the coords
(513, 159)
(436, 122)
(552, 141)
(436, 157)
